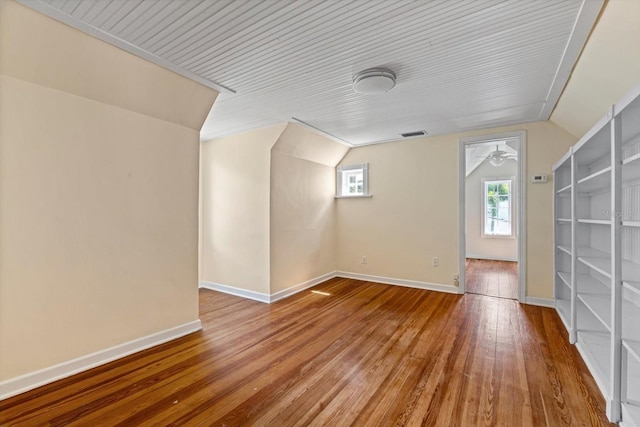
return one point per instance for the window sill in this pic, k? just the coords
(489, 236)
(365, 196)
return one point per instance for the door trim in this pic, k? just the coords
(521, 175)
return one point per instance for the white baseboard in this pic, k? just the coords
(20, 384)
(276, 296)
(244, 293)
(267, 298)
(399, 282)
(491, 258)
(542, 302)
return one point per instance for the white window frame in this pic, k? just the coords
(346, 170)
(484, 183)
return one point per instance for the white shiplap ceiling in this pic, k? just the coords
(460, 65)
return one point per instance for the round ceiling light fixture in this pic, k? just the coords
(374, 81)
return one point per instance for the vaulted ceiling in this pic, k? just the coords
(460, 65)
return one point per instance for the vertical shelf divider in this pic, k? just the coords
(614, 401)
(573, 332)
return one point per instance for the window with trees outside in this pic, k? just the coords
(352, 181)
(498, 208)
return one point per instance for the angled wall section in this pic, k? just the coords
(608, 68)
(267, 211)
(303, 223)
(98, 195)
(235, 191)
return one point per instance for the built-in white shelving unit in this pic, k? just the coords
(629, 116)
(564, 260)
(597, 254)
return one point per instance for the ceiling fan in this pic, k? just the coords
(498, 157)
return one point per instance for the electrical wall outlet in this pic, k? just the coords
(435, 262)
(364, 259)
(456, 280)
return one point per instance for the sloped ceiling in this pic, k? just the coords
(609, 67)
(460, 65)
(476, 154)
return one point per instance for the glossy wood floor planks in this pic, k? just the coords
(366, 354)
(492, 278)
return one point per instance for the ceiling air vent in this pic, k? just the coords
(412, 134)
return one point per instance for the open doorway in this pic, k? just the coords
(491, 189)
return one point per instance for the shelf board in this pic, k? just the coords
(633, 348)
(601, 265)
(595, 221)
(630, 415)
(587, 284)
(629, 223)
(596, 260)
(601, 262)
(565, 277)
(594, 175)
(632, 286)
(564, 249)
(600, 306)
(595, 350)
(596, 181)
(587, 321)
(566, 220)
(631, 159)
(563, 189)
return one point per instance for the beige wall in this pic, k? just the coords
(488, 247)
(267, 208)
(607, 69)
(413, 214)
(303, 227)
(235, 188)
(98, 208)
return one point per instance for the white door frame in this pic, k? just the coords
(522, 197)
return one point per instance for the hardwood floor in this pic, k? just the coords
(366, 354)
(492, 278)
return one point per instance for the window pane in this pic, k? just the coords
(497, 199)
(352, 182)
(503, 212)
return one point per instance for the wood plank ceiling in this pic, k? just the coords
(460, 65)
